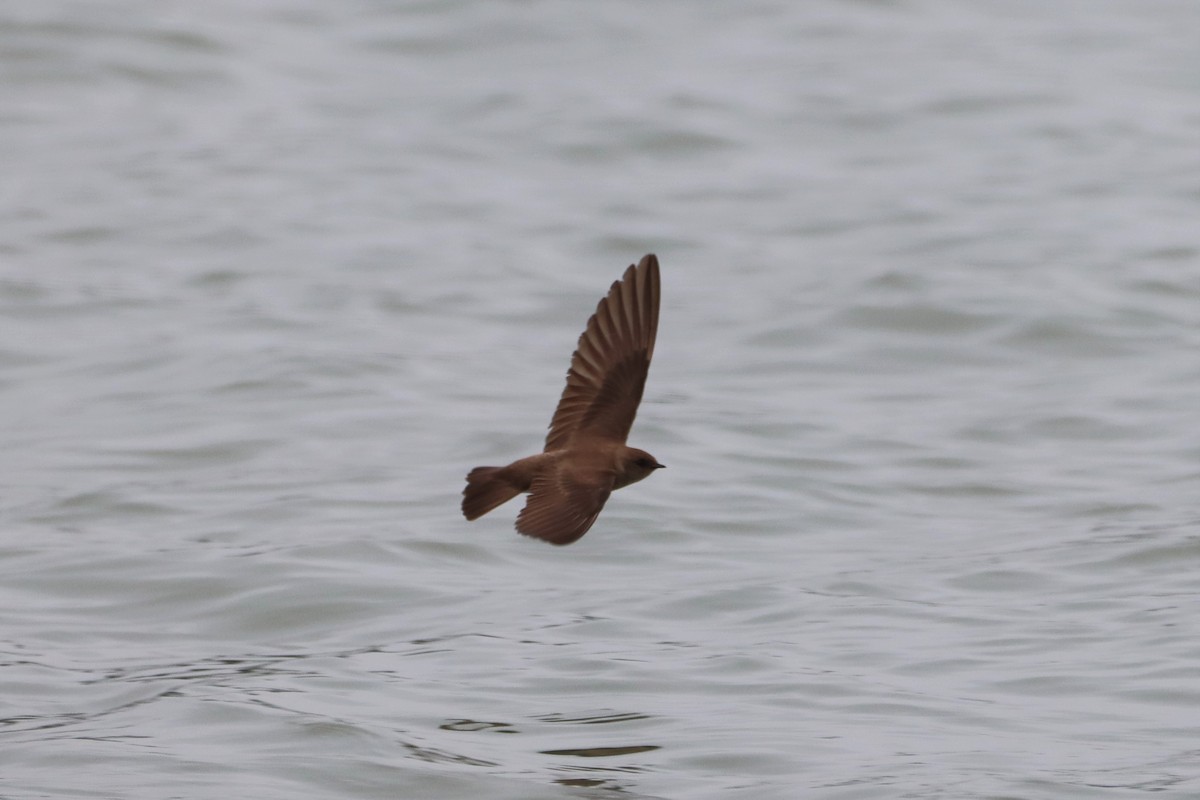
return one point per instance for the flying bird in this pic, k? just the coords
(585, 458)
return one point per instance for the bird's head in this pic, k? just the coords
(635, 464)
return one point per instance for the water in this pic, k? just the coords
(274, 276)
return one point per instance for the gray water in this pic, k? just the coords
(274, 276)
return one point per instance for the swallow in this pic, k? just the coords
(585, 458)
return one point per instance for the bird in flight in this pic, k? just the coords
(585, 458)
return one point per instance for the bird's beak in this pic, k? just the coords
(660, 466)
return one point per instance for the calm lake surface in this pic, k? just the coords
(274, 276)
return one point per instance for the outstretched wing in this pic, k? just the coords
(561, 507)
(608, 369)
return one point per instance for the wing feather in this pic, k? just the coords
(561, 508)
(608, 369)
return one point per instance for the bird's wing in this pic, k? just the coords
(608, 369)
(562, 506)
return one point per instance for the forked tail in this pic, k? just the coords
(486, 489)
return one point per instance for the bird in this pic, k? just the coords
(585, 457)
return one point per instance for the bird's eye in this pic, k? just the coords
(643, 462)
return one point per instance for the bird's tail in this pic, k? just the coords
(486, 489)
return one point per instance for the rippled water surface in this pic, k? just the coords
(274, 276)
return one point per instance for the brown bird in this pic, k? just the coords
(585, 457)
